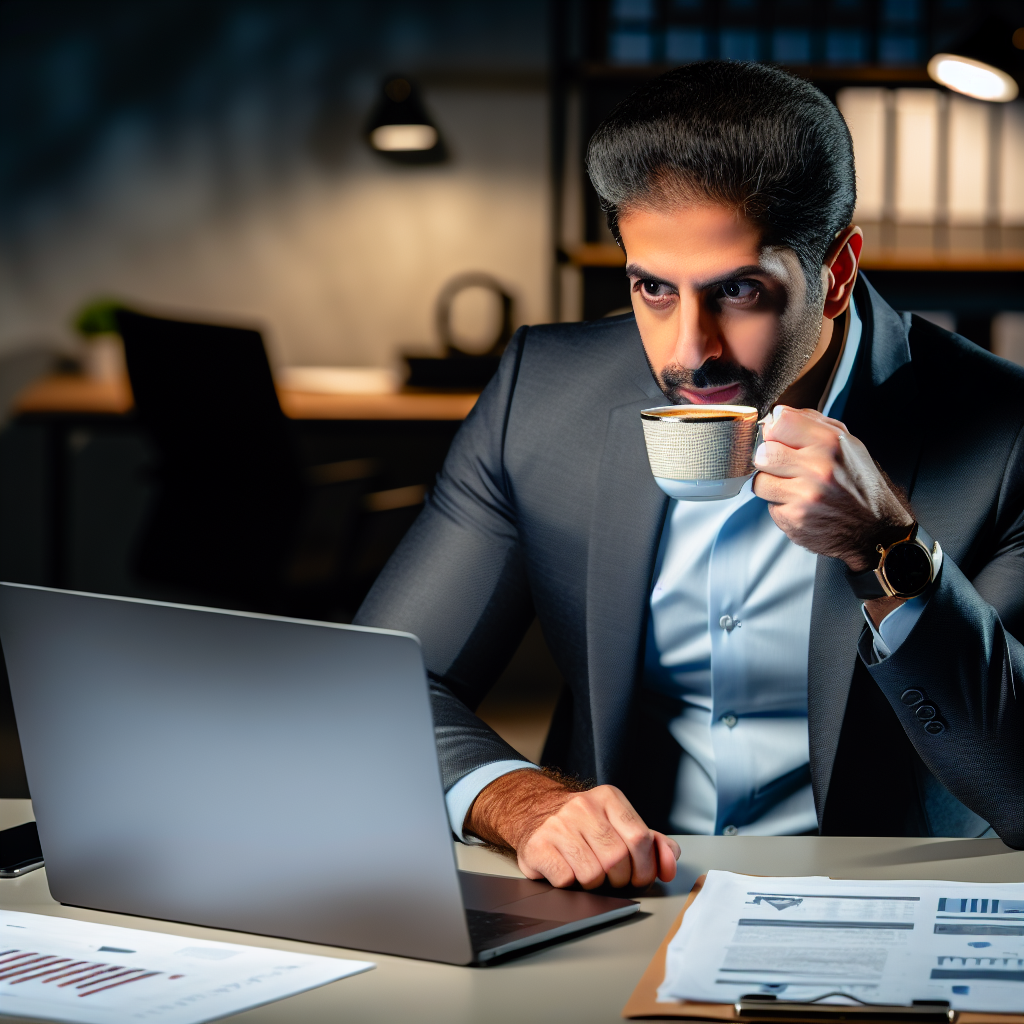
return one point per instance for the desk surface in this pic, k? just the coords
(84, 395)
(585, 980)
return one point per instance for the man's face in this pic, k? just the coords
(723, 319)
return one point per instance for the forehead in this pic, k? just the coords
(682, 243)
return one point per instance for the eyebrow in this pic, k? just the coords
(635, 270)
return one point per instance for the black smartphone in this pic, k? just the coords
(20, 851)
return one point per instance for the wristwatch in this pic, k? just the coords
(905, 569)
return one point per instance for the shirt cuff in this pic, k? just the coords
(896, 626)
(461, 796)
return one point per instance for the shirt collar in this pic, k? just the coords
(840, 390)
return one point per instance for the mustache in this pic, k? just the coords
(713, 374)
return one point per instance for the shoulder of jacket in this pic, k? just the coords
(584, 332)
(953, 358)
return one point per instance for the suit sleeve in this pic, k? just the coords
(965, 657)
(458, 582)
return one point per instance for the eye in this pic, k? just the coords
(739, 293)
(655, 293)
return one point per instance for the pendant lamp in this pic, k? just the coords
(399, 127)
(987, 64)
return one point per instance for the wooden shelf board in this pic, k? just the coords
(812, 72)
(69, 394)
(943, 259)
(599, 254)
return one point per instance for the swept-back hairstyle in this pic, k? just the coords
(746, 136)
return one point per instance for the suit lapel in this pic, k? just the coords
(625, 530)
(883, 412)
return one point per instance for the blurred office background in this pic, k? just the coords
(210, 162)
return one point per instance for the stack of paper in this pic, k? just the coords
(877, 942)
(85, 973)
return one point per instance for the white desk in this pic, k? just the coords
(586, 980)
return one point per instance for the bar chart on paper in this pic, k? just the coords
(77, 972)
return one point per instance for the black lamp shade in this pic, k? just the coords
(400, 128)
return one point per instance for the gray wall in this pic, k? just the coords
(208, 159)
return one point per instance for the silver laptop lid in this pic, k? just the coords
(234, 770)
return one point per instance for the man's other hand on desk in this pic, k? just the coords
(566, 835)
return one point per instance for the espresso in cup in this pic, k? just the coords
(700, 452)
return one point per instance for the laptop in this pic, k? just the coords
(254, 773)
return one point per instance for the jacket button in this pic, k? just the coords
(934, 728)
(912, 697)
(925, 712)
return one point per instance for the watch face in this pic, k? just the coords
(908, 568)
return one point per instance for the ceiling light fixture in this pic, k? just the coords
(973, 78)
(985, 65)
(399, 127)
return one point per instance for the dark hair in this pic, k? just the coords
(747, 136)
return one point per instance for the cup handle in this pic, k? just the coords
(759, 438)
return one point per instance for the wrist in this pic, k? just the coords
(879, 607)
(885, 533)
(509, 810)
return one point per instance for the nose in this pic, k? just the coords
(697, 338)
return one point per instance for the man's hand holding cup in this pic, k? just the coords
(826, 492)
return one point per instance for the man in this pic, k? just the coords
(735, 666)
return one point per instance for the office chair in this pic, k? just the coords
(237, 516)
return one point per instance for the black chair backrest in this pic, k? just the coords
(206, 394)
(231, 488)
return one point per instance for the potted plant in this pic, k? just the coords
(104, 351)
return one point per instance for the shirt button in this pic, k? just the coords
(729, 719)
(727, 622)
(730, 830)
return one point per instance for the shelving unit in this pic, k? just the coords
(972, 272)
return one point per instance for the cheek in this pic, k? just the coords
(658, 331)
(752, 338)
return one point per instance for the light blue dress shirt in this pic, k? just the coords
(727, 645)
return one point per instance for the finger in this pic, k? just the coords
(777, 490)
(610, 851)
(583, 822)
(632, 831)
(576, 852)
(540, 859)
(778, 459)
(668, 854)
(799, 428)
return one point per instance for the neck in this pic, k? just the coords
(809, 389)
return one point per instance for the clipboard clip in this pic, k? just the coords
(768, 1007)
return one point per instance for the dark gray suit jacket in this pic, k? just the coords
(546, 505)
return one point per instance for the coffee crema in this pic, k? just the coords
(702, 413)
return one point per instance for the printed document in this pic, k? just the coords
(62, 970)
(877, 942)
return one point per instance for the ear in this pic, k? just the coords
(842, 261)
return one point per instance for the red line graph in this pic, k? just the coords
(90, 976)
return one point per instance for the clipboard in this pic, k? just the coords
(643, 1003)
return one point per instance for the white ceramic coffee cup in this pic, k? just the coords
(701, 452)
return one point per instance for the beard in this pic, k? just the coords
(761, 390)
